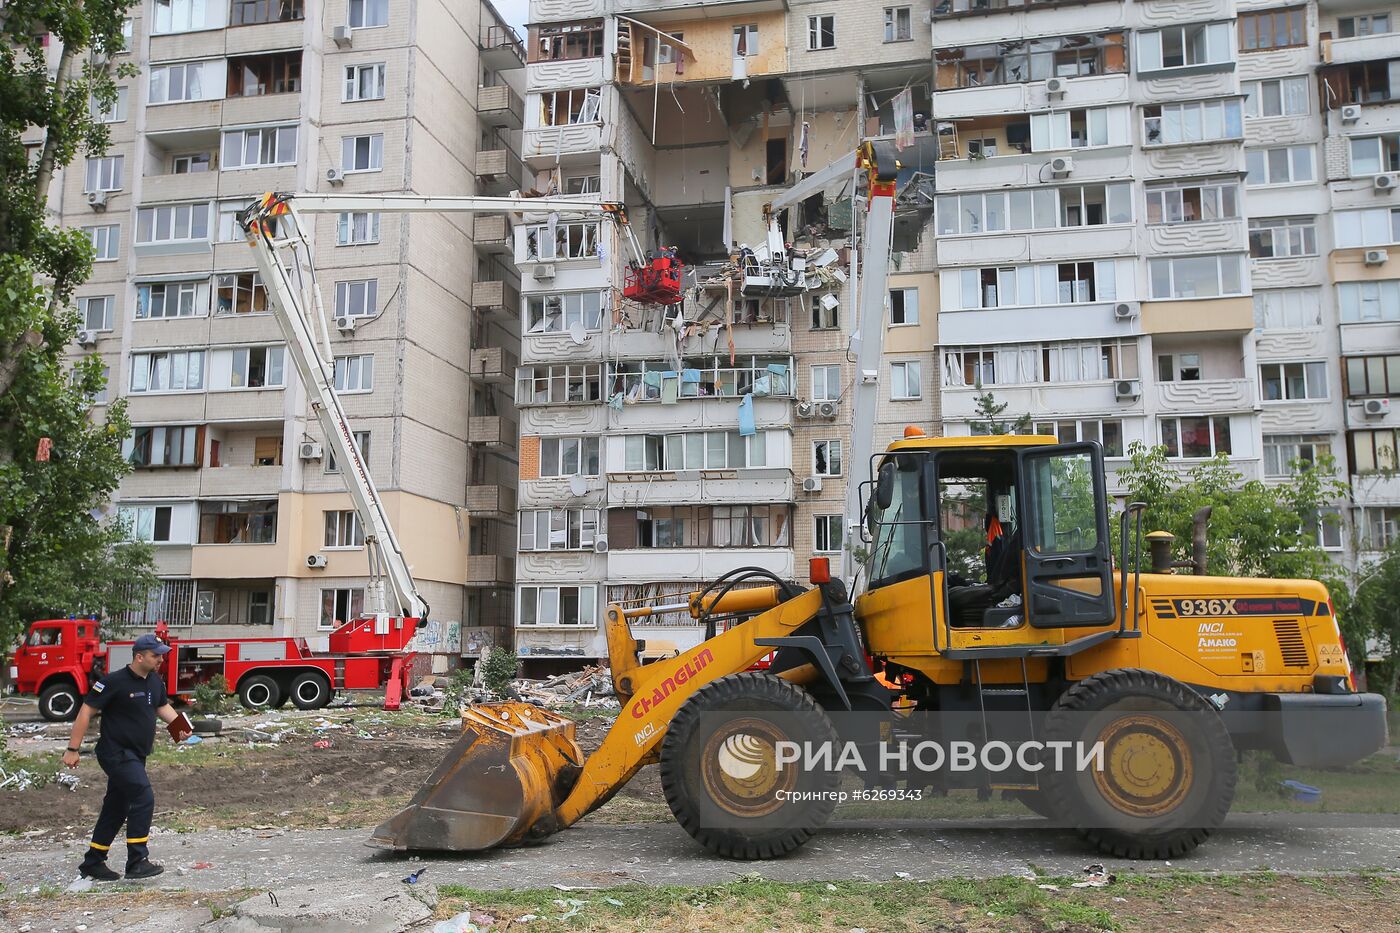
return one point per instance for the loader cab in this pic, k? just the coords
(1006, 534)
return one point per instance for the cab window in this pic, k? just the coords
(1064, 519)
(898, 552)
(45, 637)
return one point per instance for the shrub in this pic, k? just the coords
(212, 695)
(498, 669)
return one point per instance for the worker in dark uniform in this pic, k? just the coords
(129, 699)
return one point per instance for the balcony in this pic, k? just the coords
(1197, 316)
(701, 487)
(653, 565)
(491, 233)
(557, 143)
(497, 171)
(495, 296)
(490, 570)
(1205, 396)
(499, 106)
(240, 480)
(497, 502)
(1359, 49)
(494, 365)
(491, 430)
(501, 49)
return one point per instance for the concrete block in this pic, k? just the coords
(378, 906)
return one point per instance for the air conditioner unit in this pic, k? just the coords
(335, 176)
(343, 36)
(345, 324)
(1351, 113)
(316, 561)
(1061, 166)
(804, 409)
(97, 200)
(1125, 311)
(811, 484)
(544, 271)
(1055, 87)
(828, 410)
(87, 338)
(1385, 182)
(309, 450)
(1127, 389)
(1376, 407)
(1376, 257)
(600, 544)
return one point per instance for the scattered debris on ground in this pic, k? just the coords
(590, 688)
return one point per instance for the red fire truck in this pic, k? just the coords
(60, 658)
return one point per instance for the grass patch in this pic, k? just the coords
(1175, 900)
(1371, 785)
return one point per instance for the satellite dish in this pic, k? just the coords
(577, 486)
(576, 333)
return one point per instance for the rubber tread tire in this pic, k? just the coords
(54, 690)
(750, 690)
(1095, 693)
(275, 694)
(322, 699)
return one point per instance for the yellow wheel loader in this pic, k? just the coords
(1167, 676)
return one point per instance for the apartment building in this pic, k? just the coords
(662, 447)
(1181, 210)
(253, 530)
(1358, 58)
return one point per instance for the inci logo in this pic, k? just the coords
(742, 756)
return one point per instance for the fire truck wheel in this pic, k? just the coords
(59, 703)
(259, 692)
(721, 774)
(311, 690)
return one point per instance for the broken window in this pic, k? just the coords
(564, 108)
(256, 75)
(1024, 60)
(561, 313)
(1364, 82)
(557, 385)
(562, 241)
(569, 42)
(746, 40)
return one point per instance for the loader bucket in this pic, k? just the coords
(498, 785)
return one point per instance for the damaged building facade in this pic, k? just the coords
(253, 530)
(663, 445)
(1162, 222)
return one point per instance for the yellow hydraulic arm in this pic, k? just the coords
(508, 778)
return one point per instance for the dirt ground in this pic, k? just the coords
(372, 767)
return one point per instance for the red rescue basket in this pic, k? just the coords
(658, 282)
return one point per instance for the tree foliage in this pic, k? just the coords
(1257, 529)
(58, 467)
(990, 420)
(1375, 610)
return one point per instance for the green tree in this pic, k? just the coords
(1256, 529)
(57, 465)
(990, 420)
(1376, 612)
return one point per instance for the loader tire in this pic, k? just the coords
(1169, 766)
(260, 692)
(720, 777)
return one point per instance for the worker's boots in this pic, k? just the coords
(99, 872)
(143, 869)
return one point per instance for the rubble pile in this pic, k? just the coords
(590, 688)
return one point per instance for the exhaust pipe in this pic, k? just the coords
(1199, 522)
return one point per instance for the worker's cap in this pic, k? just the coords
(149, 642)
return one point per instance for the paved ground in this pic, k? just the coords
(661, 853)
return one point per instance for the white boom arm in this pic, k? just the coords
(274, 230)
